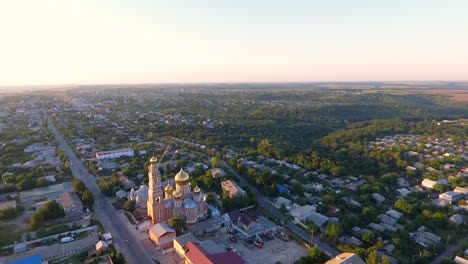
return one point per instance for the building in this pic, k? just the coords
(427, 183)
(281, 200)
(346, 258)
(196, 254)
(8, 204)
(71, 204)
(450, 196)
(140, 196)
(101, 246)
(162, 235)
(108, 238)
(232, 188)
(246, 221)
(110, 154)
(180, 201)
(180, 242)
(217, 172)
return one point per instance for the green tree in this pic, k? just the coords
(130, 205)
(88, 198)
(42, 182)
(37, 220)
(333, 230)
(78, 187)
(178, 225)
(215, 162)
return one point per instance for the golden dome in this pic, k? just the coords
(196, 190)
(177, 195)
(168, 188)
(182, 176)
(153, 159)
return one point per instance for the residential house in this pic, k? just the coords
(427, 183)
(232, 188)
(101, 246)
(162, 235)
(450, 197)
(71, 204)
(346, 258)
(456, 219)
(318, 219)
(217, 172)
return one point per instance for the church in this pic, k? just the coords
(179, 201)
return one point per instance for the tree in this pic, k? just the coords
(178, 225)
(403, 206)
(52, 210)
(130, 205)
(88, 198)
(215, 162)
(333, 230)
(372, 258)
(37, 220)
(42, 182)
(210, 198)
(78, 187)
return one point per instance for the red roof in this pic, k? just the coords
(226, 258)
(196, 254)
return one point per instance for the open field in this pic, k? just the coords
(457, 95)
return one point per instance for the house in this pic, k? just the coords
(281, 200)
(302, 212)
(8, 204)
(162, 235)
(450, 197)
(71, 204)
(232, 188)
(456, 219)
(461, 190)
(101, 246)
(126, 182)
(403, 192)
(378, 198)
(121, 194)
(394, 214)
(247, 222)
(217, 172)
(427, 183)
(108, 238)
(317, 218)
(346, 258)
(460, 260)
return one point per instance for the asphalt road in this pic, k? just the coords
(134, 253)
(265, 203)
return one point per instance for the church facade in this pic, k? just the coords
(173, 201)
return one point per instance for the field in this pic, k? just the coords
(456, 95)
(8, 236)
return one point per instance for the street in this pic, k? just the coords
(103, 210)
(265, 203)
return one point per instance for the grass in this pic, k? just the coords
(130, 218)
(9, 235)
(52, 231)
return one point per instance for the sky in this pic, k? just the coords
(174, 41)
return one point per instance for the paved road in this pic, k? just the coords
(265, 203)
(134, 253)
(448, 253)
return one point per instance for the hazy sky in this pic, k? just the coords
(117, 41)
